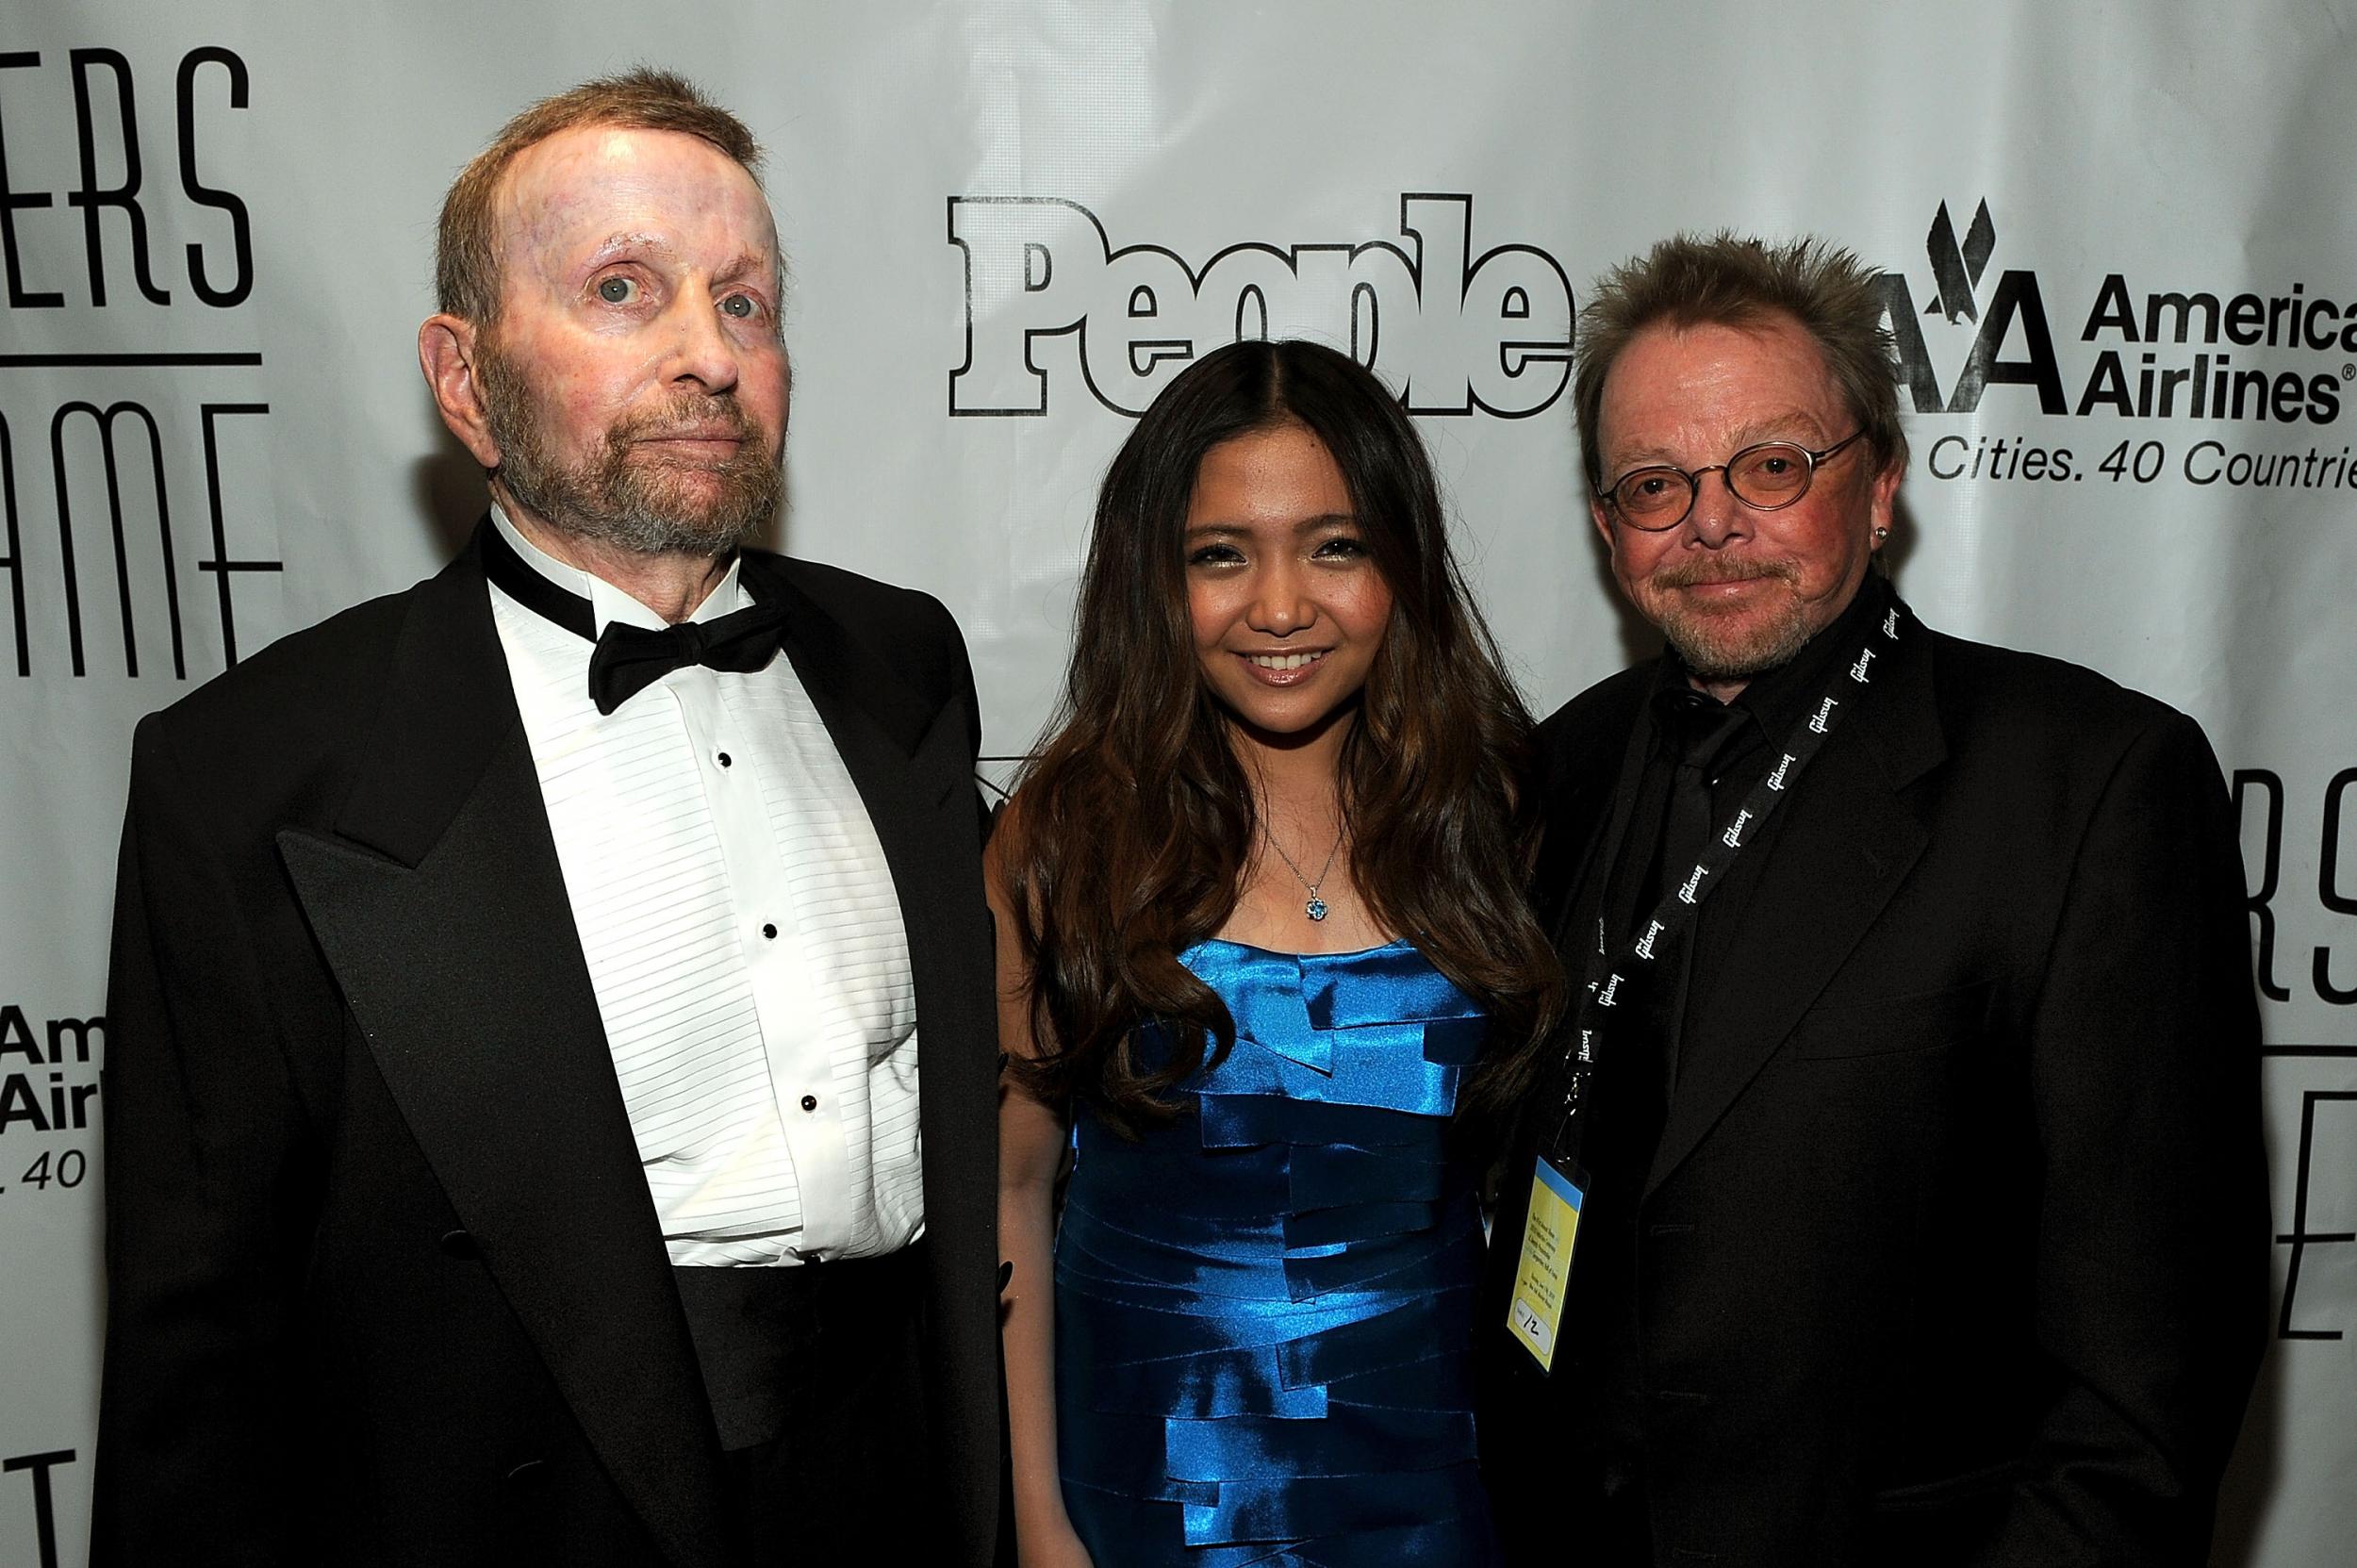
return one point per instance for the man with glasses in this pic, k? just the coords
(1898, 1195)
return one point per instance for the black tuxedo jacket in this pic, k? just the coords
(385, 1284)
(1953, 1247)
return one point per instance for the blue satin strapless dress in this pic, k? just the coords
(1264, 1307)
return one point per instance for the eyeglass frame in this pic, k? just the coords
(1694, 480)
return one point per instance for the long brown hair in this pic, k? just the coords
(1134, 820)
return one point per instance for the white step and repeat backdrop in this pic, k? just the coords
(2122, 255)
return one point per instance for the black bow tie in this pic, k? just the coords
(628, 659)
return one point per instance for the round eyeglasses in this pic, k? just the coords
(1765, 477)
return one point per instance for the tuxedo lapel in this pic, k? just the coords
(857, 694)
(911, 762)
(438, 901)
(914, 769)
(1847, 841)
(913, 765)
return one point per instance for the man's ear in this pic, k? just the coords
(1882, 503)
(446, 353)
(1598, 515)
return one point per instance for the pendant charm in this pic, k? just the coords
(1315, 908)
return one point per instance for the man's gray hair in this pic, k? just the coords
(1733, 280)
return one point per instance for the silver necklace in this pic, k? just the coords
(1315, 908)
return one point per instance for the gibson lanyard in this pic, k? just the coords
(1679, 906)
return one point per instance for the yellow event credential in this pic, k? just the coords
(1536, 1315)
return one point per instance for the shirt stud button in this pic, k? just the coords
(770, 932)
(724, 760)
(810, 1102)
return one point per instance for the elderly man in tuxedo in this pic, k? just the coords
(1910, 1120)
(550, 1059)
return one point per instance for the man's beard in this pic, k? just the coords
(649, 508)
(1730, 647)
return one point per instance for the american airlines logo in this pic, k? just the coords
(1051, 302)
(2270, 354)
(1957, 269)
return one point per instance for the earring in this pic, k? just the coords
(1881, 533)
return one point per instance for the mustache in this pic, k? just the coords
(1689, 574)
(690, 413)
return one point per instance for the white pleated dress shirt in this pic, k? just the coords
(743, 937)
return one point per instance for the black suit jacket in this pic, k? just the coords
(1953, 1246)
(385, 1284)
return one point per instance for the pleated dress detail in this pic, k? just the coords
(1264, 1305)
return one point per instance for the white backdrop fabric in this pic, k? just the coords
(2125, 259)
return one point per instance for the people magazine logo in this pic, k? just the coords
(2237, 383)
(1054, 309)
(2201, 386)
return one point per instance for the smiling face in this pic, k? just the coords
(1287, 606)
(633, 389)
(1737, 590)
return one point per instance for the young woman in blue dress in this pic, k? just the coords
(1261, 937)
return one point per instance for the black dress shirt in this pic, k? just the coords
(1638, 1061)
